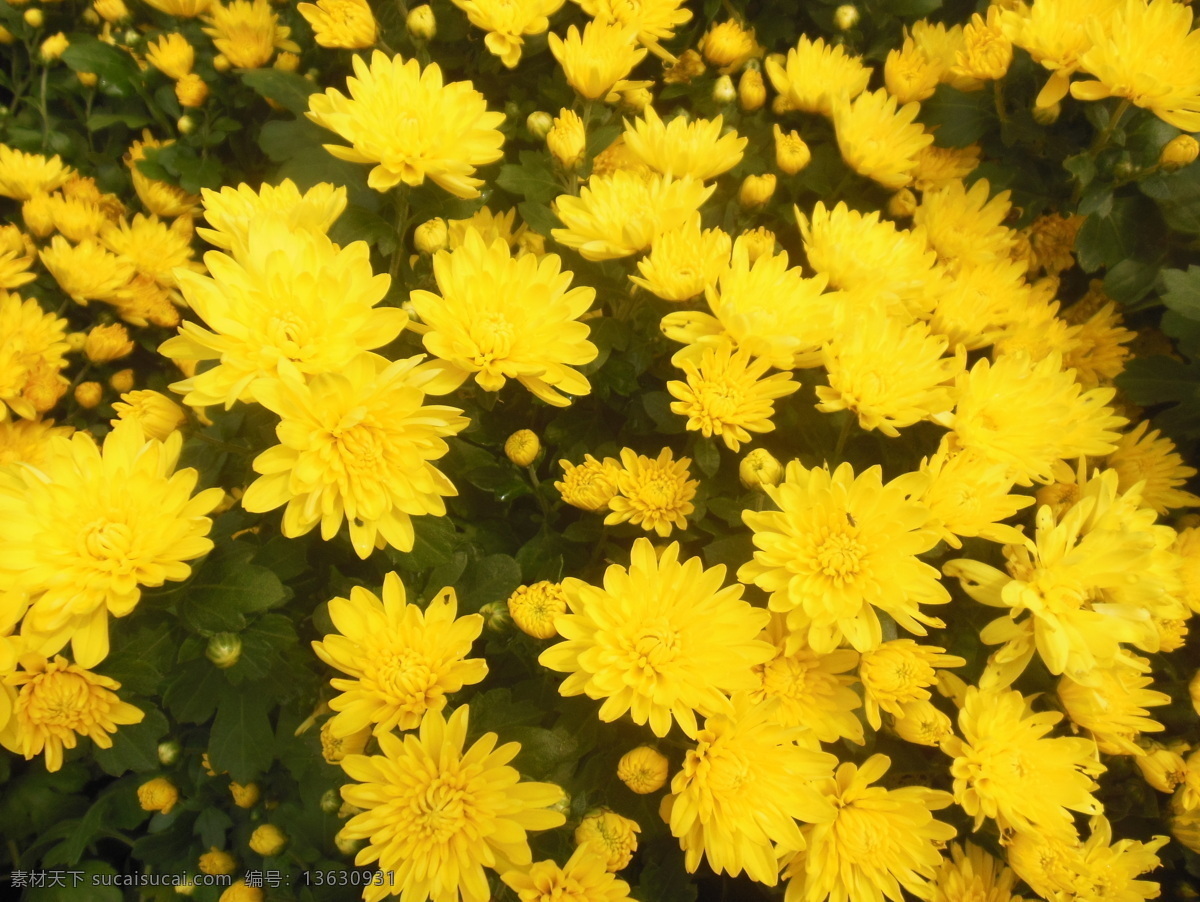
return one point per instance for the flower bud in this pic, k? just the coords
(689, 66)
(6, 36)
(244, 796)
(185, 889)
(168, 752)
(240, 891)
(522, 447)
(157, 414)
(88, 394)
(121, 380)
(495, 615)
(52, 48)
(331, 801)
(38, 213)
(1162, 768)
(221, 63)
(757, 242)
(752, 93)
(533, 608)
(111, 11)
(431, 236)
(421, 24)
(756, 190)
(76, 341)
(902, 204)
(34, 18)
(345, 844)
(643, 769)
(759, 468)
(723, 90)
(727, 46)
(191, 90)
(539, 124)
(185, 125)
(268, 840)
(105, 344)
(637, 99)
(614, 837)
(1194, 691)
(158, 795)
(217, 862)
(567, 140)
(1180, 151)
(791, 153)
(845, 16)
(287, 61)
(1047, 115)
(922, 723)
(87, 79)
(224, 649)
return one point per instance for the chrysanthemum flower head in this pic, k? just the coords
(921, 722)
(293, 296)
(534, 608)
(650, 19)
(436, 815)
(680, 147)
(92, 526)
(909, 74)
(1148, 458)
(22, 175)
(506, 23)
(1052, 240)
(815, 74)
(1099, 354)
(969, 874)
(1056, 33)
(653, 493)
(840, 546)
(965, 226)
(597, 61)
(233, 211)
(154, 248)
(247, 32)
(974, 305)
(160, 198)
(16, 258)
(501, 317)
(171, 55)
(612, 837)
(620, 214)
(938, 166)
(32, 348)
(341, 24)
(987, 51)
(28, 441)
(411, 125)
(401, 661)
(742, 790)
(156, 414)
(356, 445)
(968, 495)
(334, 748)
(661, 639)
(590, 485)
(877, 140)
(728, 45)
(583, 877)
(1113, 705)
(941, 46)
(643, 769)
(878, 840)
(684, 261)
(57, 702)
(1162, 767)
(897, 672)
(86, 271)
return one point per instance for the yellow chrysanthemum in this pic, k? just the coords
(233, 212)
(653, 493)
(154, 248)
(1162, 767)
(1034, 328)
(1006, 768)
(909, 74)
(75, 218)
(650, 19)
(94, 524)
(597, 61)
(620, 214)
(728, 45)
(341, 24)
(17, 254)
(965, 226)
(582, 879)
(1187, 546)
(1052, 239)
(679, 147)
(159, 794)
(814, 75)
(402, 661)
(811, 691)
(591, 485)
(411, 124)
(987, 51)
(877, 140)
(644, 769)
(941, 46)
(156, 414)
(968, 495)
(728, 394)
(839, 547)
(57, 702)
(742, 790)
(32, 348)
(610, 835)
(922, 723)
(898, 672)
(1099, 354)
(501, 317)
(183, 9)
(507, 22)
(684, 261)
(171, 55)
(86, 271)
(335, 748)
(534, 608)
(1112, 705)
(970, 874)
(1152, 460)
(766, 308)
(22, 175)
(292, 296)
(355, 445)
(1148, 54)
(888, 373)
(28, 441)
(1056, 33)
(435, 815)
(938, 166)
(1031, 415)
(661, 640)
(160, 198)
(247, 32)
(877, 841)
(974, 305)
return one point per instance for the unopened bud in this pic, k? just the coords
(185, 124)
(752, 93)
(1180, 151)
(244, 796)
(902, 204)
(421, 23)
(168, 752)
(845, 16)
(760, 468)
(495, 615)
(88, 394)
(756, 190)
(52, 48)
(87, 79)
(522, 447)
(1047, 115)
(724, 91)
(331, 801)
(224, 649)
(539, 124)
(122, 380)
(431, 236)
(34, 18)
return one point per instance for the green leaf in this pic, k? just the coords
(539, 217)
(87, 54)
(360, 224)
(192, 692)
(542, 751)
(288, 89)
(223, 592)
(434, 543)
(281, 139)
(1106, 240)
(495, 711)
(960, 118)
(1158, 379)
(77, 884)
(100, 121)
(707, 456)
(1082, 166)
(914, 9)
(211, 825)
(1181, 291)
(135, 747)
(87, 831)
(1130, 281)
(732, 551)
(242, 741)
(664, 878)
(264, 644)
(658, 405)
(533, 178)
(492, 578)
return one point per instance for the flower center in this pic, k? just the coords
(441, 810)
(104, 540)
(720, 399)
(407, 677)
(359, 448)
(492, 335)
(654, 647)
(840, 556)
(58, 699)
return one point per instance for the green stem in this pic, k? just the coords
(42, 109)
(224, 446)
(998, 95)
(842, 436)
(1107, 132)
(598, 550)
(537, 492)
(400, 200)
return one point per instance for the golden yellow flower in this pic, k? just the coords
(217, 861)
(28, 441)
(791, 153)
(597, 61)
(727, 45)
(1152, 460)
(88, 394)
(938, 166)
(756, 190)
(183, 9)
(759, 468)
(154, 248)
(814, 75)
(591, 485)
(1112, 705)
(728, 394)
(32, 355)
(171, 55)
(1056, 33)
(500, 317)
(582, 878)
(267, 840)
(22, 175)
(1099, 354)
(567, 140)
(684, 261)
(56, 703)
(965, 226)
(969, 873)
(105, 344)
(144, 301)
(1051, 240)
(661, 640)
(968, 495)
(654, 494)
(421, 23)
(877, 840)
(1180, 151)
(112, 10)
(643, 770)
(612, 838)
(877, 140)
(838, 548)
(622, 213)
(522, 447)
(432, 847)
(1187, 546)
(247, 32)
(402, 661)
(160, 198)
(156, 414)
(941, 46)
(650, 19)
(335, 748)
(758, 242)
(507, 22)
(341, 24)
(534, 608)
(909, 74)
(159, 794)
(898, 672)
(431, 236)
(17, 253)
(975, 305)
(356, 445)
(410, 124)
(232, 212)
(86, 271)
(682, 148)
(921, 723)
(1162, 767)
(191, 90)
(987, 51)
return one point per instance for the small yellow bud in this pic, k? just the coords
(923, 723)
(6, 36)
(726, 45)
(287, 62)
(157, 414)
(105, 344)
(495, 615)
(221, 63)
(723, 90)
(637, 99)
(238, 891)
(759, 468)
(88, 394)
(613, 836)
(421, 23)
(539, 123)
(533, 608)
(752, 93)
(112, 11)
(76, 341)
(431, 236)
(1180, 151)
(185, 889)
(87, 79)
(268, 840)
(522, 447)
(331, 801)
(158, 794)
(567, 140)
(52, 48)
(218, 862)
(1162, 768)
(791, 153)
(757, 242)
(185, 124)
(224, 649)
(244, 796)
(644, 769)
(345, 844)
(191, 90)
(689, 66)
(1047, 115)
(122, 380)
(902, 204)
(845, 16)
(756, 190)
(168, 752)
(34, 18)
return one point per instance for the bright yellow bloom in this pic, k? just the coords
(154, 248)
(411, 125)
(86, 271)
(247, 32)
(56, 703)
(620, 214)
(898, 672)
(591, 485)
(877, 140)
(82, 534)
(507, 22)
(1099, 354)
(217, 861)
(968, 495)
(402, 661)
(1187, 546)
(22, 175)
(232, 212)
(974, 305)
(267, 840)
(597, 61)
(970, 874)
(489, 225)
(436, 815)
(28, 441)
(922, 723)
(534, 608)
(938, 166)
(500, 317)
(183, 9)
(987, 51)
(1180, 151)
(160, 198)
(1161, 767)
(17, 254)
(105, 344)
(758, 242)
(684, 261)
(1034, 327)
(159, 794)
(741, 791)
(582, 879)
(728, 394)
(909, 74)
(941, 46)
(791, 153)
(756, 190)
(965, 226)
(662, 640)
(1057, 34)
(643, 770)
(156, 414)
(681, 148)
(1152, 460)
(654, 494)
(839, 547)
(355, 445)
(567, 140)
(610, 835)
(292, 297)
(335, 748)
(877, 841)
(1112, 705)
(171, 55)
(815, 75)
(650, 19)
(1148, 54)
(727, 45)
(32, 351)
(341, 24)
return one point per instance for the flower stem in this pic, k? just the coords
(1107, 132)
(43, 110)
(400, 199)
(842, 436)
